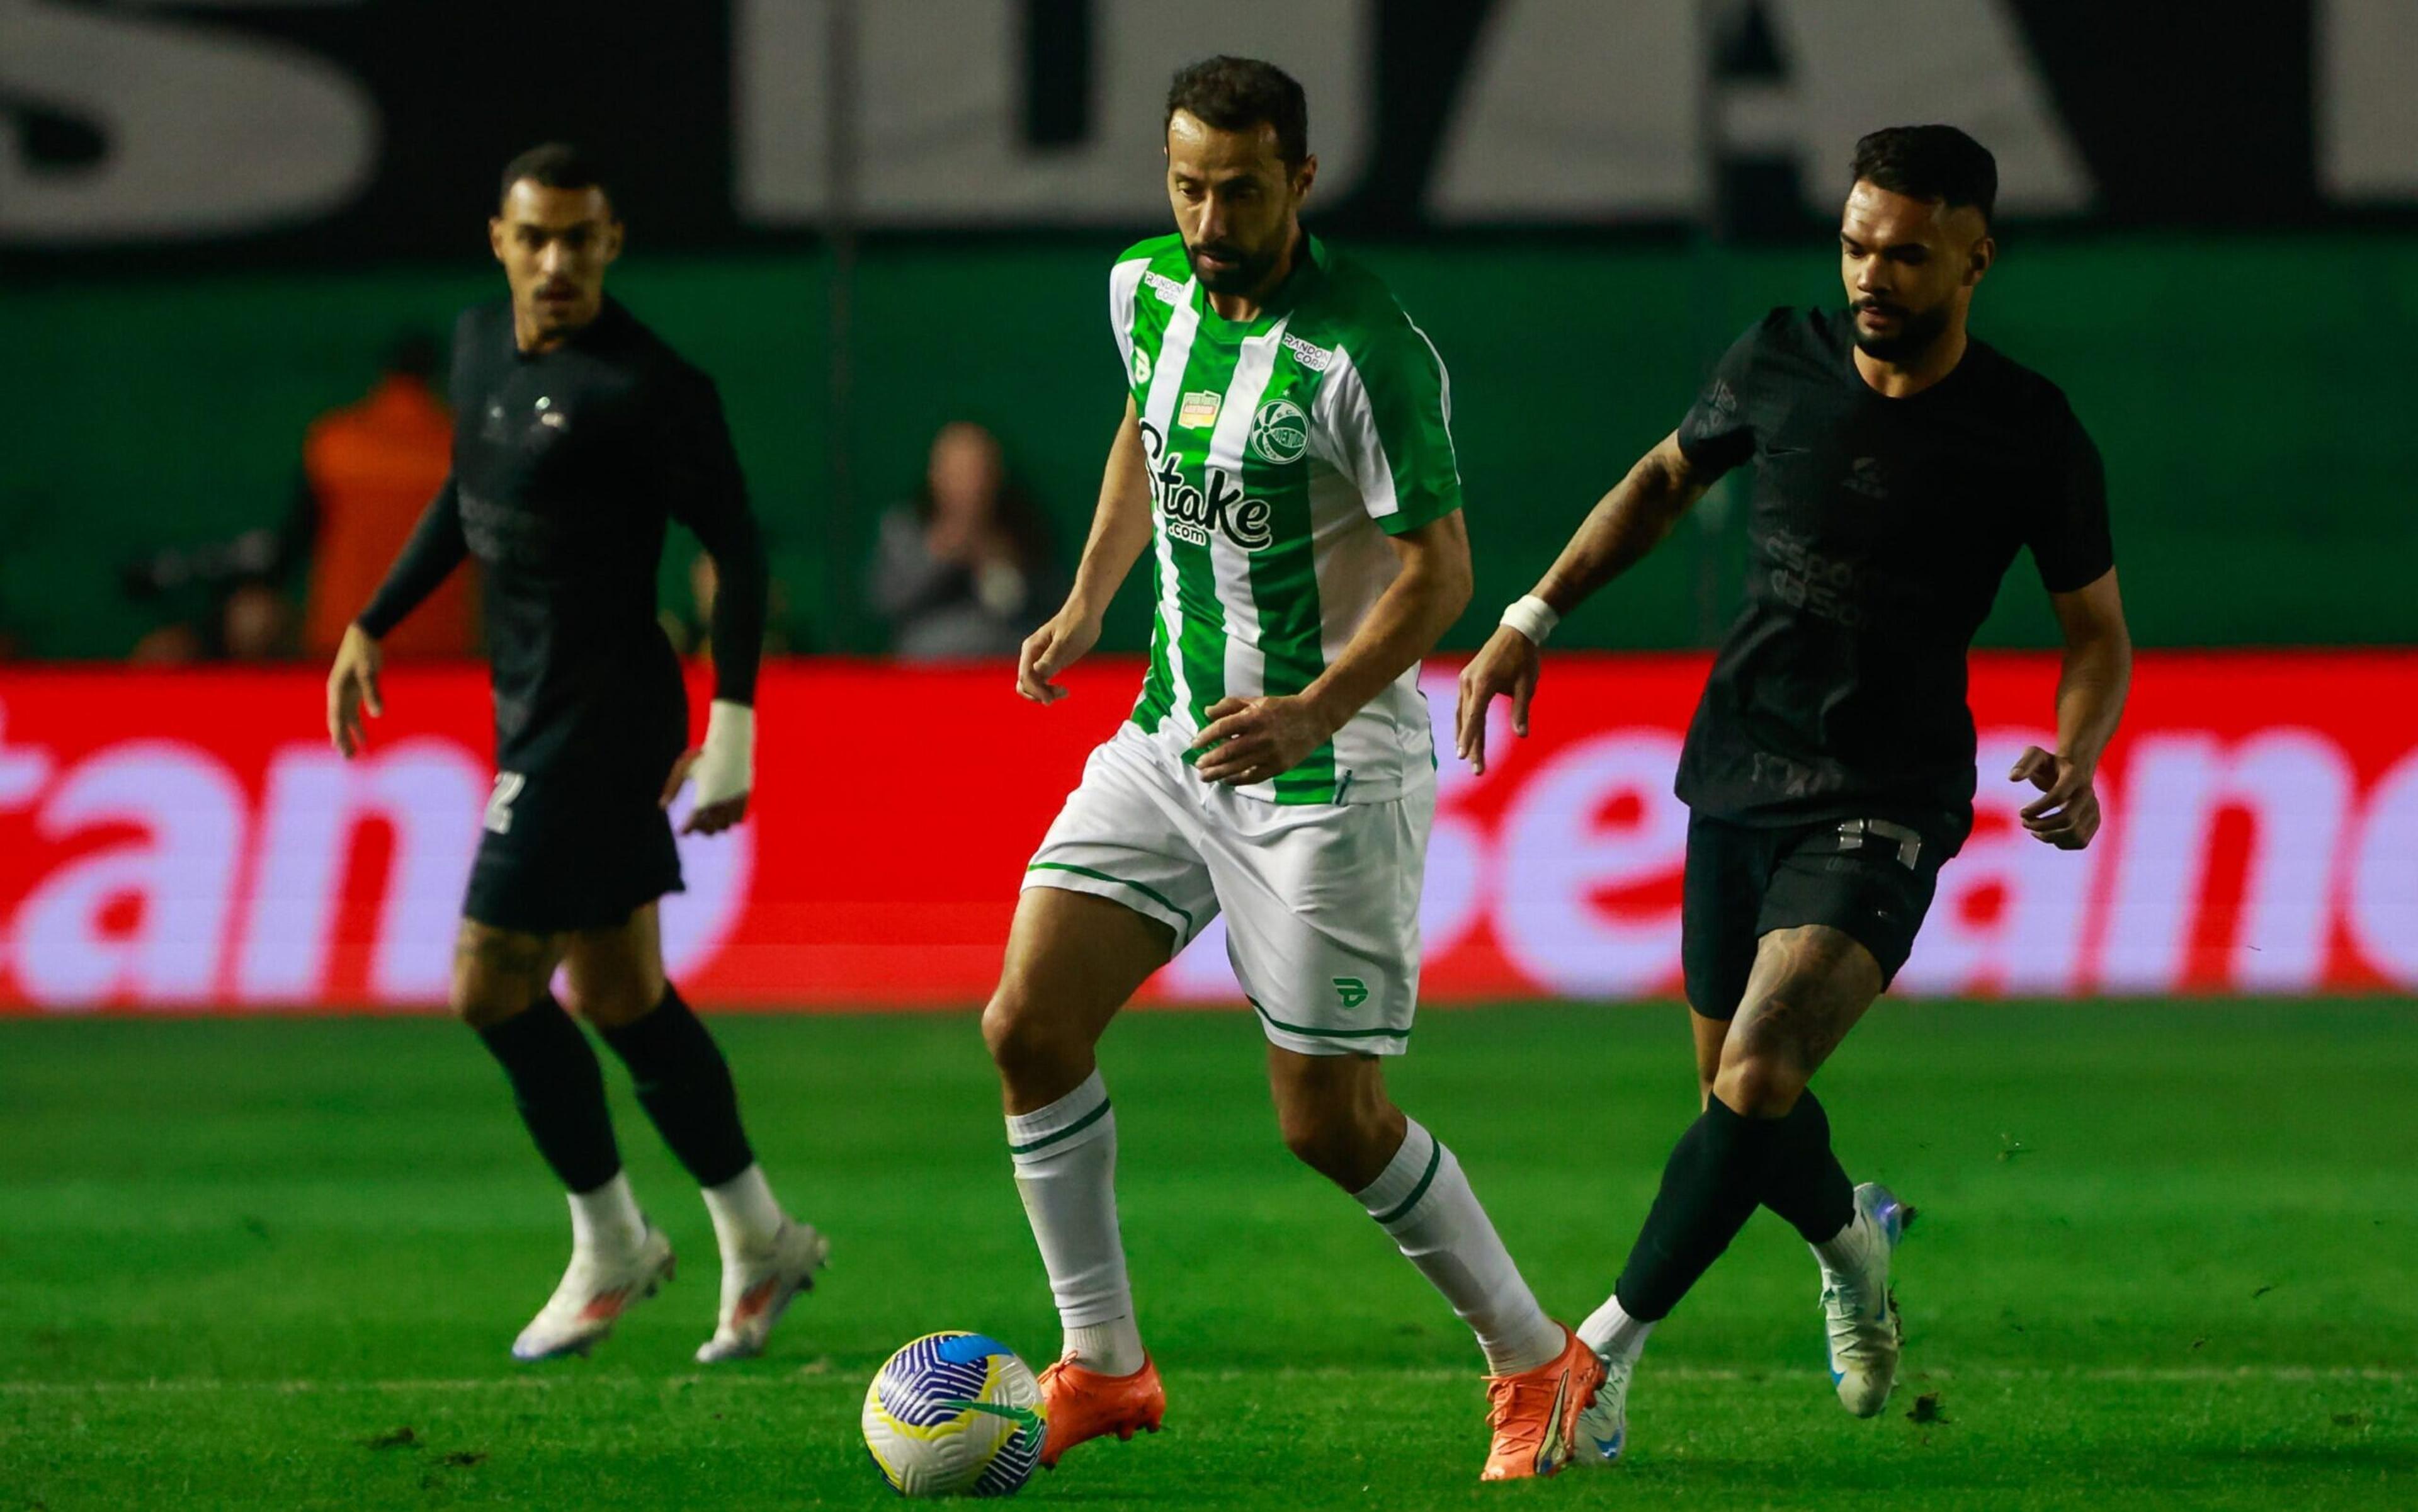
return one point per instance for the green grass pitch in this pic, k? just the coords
(2166, 1260)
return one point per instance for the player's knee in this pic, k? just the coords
(1338, 1142)
(1758, 1085)
(481, 1003)
(1023, 1037)
(611, 1005)
(1316, 1138)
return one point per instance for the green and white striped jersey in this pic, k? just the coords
(1282, 452)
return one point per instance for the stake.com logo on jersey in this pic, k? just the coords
(1191, 513)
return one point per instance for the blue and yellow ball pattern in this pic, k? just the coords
(954, 1415)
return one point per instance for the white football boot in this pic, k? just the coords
(1858, 1306)
(1603, 1427)
(756, 1290)
(595, 1291)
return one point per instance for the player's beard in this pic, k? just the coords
(1250, 270)
(1917, 330)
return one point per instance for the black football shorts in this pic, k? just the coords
(561, 854)
(1870, 878)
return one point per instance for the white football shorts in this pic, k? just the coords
(1322, 900)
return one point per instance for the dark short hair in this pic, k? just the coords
(1930, 162)
(1237, 94)
(552, 165)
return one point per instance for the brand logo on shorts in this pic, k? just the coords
(1279, 432)
(1351, 991)
(1141, 366)
(499, 804)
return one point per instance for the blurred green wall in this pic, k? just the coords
(2251, 396)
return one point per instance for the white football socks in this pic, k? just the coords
(1616, 1337)
(1424, 1201)
(606, 1221)
(1065, 1169)
(746, 1219)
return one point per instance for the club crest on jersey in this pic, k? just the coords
(1200, 409)
(1279, 432)
(1218, 507)
(1141, 367)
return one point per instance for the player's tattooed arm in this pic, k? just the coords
(1120, 528)
(1624, 525)
(2091, 686)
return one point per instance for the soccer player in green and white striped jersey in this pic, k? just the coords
(1286, 460)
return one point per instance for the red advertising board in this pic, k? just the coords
(186, 842)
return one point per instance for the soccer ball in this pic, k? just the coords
(953, 1414)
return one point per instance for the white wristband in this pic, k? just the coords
(1532, 616)
(726, 769)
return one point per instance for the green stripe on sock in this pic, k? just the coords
(1084, 1122)
(1435, 1159)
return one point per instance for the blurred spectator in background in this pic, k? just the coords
(224, 600)
(965, 570)
(368, 470)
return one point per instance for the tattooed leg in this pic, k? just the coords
(499, 972)
(1810, 986)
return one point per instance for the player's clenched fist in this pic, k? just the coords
(352, 687)
(1508, 665)
(2066, 814)
(1052, 649)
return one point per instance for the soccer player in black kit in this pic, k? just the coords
(577, 434)
(1899, 466)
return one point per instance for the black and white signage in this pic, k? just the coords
(345, 129)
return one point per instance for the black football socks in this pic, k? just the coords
(560, 1090)
(1805, 1182)
(1713, 1183)
(684, 1085)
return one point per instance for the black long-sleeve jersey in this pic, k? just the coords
(567, 463)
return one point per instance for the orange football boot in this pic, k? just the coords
(1079, 1404)
(1534, 1414)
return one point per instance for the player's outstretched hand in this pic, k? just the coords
(352, 689)
(2066, 814)
(1052, 649)
(1255, 739)
(1510, 663)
